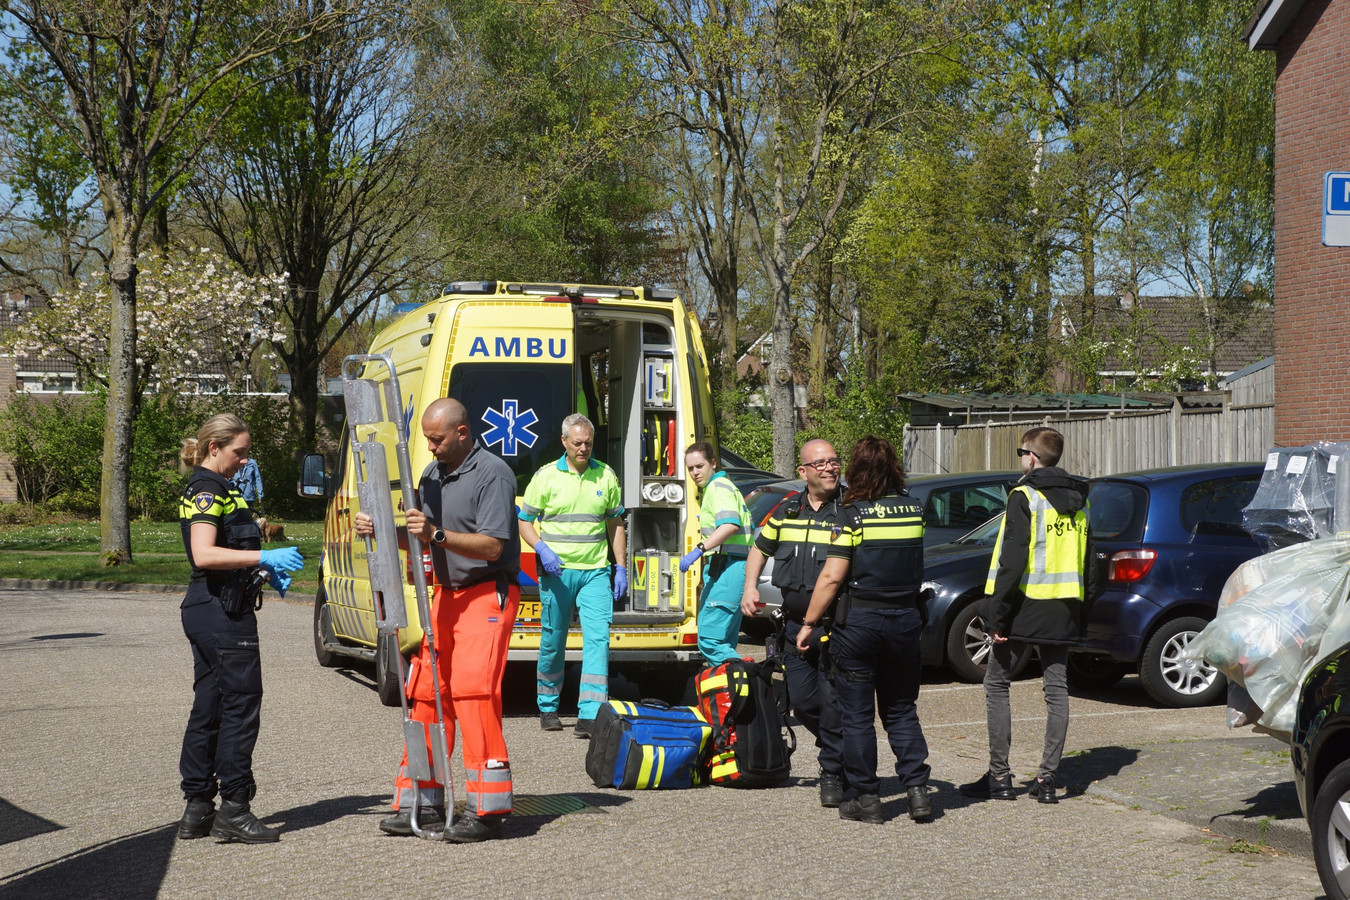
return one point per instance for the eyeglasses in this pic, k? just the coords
(1023, 451)
(822, 464)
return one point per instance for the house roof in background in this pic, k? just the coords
(1269, 23)
(1164, 323)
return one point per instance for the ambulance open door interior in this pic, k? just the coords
(629, 384)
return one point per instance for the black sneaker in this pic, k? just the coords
(550, 722)
(831, 789)
(866, 808)
(987, 787)
(471, 829)
(400, 824)
(583, 728)
(1043, 789)
(920, 807)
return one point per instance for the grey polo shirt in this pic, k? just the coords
(478, 497)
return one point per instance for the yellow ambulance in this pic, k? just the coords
(521, 357)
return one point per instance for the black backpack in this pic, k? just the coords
(751, 742)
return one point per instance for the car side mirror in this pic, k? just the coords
(313, 478)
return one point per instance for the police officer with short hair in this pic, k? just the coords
(798, 536)
(874, 643)
(228, 565)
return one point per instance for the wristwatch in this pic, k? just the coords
(438, 536)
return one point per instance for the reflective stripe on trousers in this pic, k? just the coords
(472, 633)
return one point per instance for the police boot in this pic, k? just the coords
(867, 808)
(920, 807)
(197, 819)
(470, 829)
(831, 789)
(235, 822)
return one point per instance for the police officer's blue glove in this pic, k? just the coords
(281, 581)
(620, 581)
(689, 559)
(548, 560)
(284, 559)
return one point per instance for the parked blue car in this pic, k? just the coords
(1166, 541)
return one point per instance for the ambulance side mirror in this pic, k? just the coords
(313, 479)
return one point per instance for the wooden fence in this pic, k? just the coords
(1101, 444)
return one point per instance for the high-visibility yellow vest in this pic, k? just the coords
(1056, 549)
(570, 511)
(722, 504)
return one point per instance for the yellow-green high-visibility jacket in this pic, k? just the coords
(722, 504)
(1056, 552)
(570, 511)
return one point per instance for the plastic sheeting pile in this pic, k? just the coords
(1278, 614)
(1304, 495)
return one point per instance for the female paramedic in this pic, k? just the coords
(724, 524)
(874, 644)
(228, 570)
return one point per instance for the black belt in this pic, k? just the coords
(496, 576)
(912, 602)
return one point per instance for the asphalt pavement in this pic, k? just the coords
(94, 689)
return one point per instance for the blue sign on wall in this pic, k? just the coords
(1336, 209)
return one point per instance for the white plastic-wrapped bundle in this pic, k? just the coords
(1273, 615)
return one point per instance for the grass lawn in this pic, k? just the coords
(70, 553)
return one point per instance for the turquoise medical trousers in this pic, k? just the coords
(719, 610)
(589, 592)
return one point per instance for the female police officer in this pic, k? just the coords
(874, 645)
(228, 567)
(724, 524)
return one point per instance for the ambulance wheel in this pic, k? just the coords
(323, 632)
(387, 685)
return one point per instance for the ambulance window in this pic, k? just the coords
(695, 399)
(516, 410)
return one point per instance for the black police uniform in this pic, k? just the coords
(222, 728)
(798, 539)
(874, 644)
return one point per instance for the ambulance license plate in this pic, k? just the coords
(529, 611)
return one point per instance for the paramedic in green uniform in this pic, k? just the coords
(572, 515)
(724, 524)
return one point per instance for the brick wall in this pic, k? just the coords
(1312, 282)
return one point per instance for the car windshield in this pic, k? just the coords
(1116, 511)
(986, 534)
(761, 503)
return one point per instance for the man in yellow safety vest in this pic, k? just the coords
(1038, 583)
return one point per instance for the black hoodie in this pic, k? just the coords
(1008, 611)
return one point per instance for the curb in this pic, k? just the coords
(27, 584)
(1286, 835)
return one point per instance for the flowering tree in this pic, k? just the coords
(195, 314)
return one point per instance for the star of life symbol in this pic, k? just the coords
(510, 428)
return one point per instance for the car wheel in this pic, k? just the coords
(968, 646)
(1094, 671)
(387, 684)
(1172, 680)
(1330, 824)
(323, 632)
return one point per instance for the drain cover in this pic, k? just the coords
(552, 805)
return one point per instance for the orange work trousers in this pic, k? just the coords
(471, 631)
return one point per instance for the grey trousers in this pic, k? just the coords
(1054, 683)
